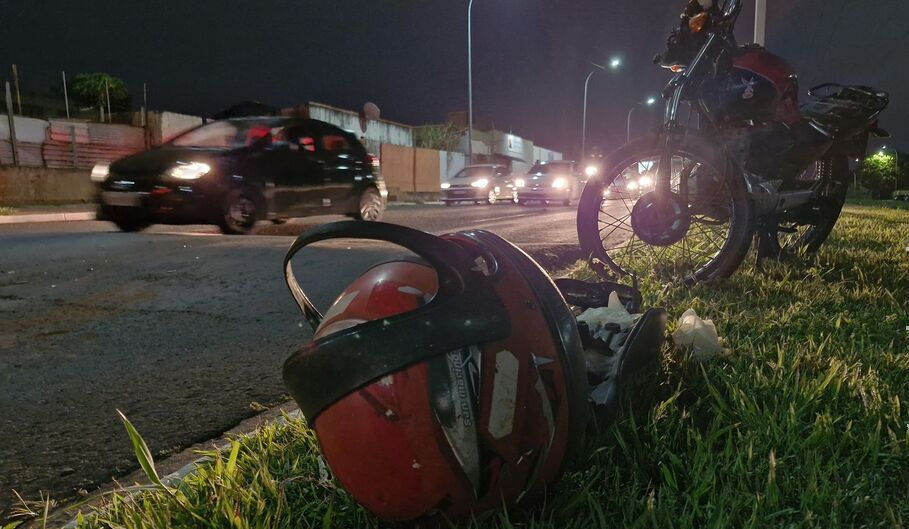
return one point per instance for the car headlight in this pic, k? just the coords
(560, 183)
(189, 171)
(591, 171)
(100, 172)
(520, 182)
(607, 192)
(445, 185)
(645, 181)
(631, 185)
(481, 183)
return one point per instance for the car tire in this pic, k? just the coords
(370, 206)
(239, 213)
(129, 223)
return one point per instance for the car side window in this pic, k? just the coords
(299, 138)
(334, 143)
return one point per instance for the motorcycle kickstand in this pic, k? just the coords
(768, 242)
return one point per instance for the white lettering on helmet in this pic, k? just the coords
(504, 395)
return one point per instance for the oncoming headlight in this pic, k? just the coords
(519, 182)
(481, 183)
(645, 181)
(100, 172)
(591, 171)
(189, 171)
(560, 183)
(632, 185)
(445, 185)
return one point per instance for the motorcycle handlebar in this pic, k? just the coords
(732, 9)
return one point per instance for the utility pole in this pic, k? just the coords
(107, 92)
(469, 85)
(12, 125)
(16, 82)
(760, 22)
(65, 95)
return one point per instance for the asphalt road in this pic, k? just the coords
(179, 327)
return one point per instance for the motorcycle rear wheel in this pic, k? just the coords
(807, 228)
(717, 223)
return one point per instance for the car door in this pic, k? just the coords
(342, 160)
(297, 172)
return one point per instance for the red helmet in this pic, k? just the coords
(445, 386)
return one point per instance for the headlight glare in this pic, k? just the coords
(645, 181)
(519, 182)
(591, 170)
(560, 183)
(189, 171)
(445, 185)
(100, 172)
(632, 185)
(481, 183)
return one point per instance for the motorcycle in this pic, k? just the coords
(688, 201)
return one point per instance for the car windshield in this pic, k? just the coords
(474, 172)
(550, 168)
(228, 134)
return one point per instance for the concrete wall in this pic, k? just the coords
(377, 130)
(449, 164)
(42, 186)
(411, 170)
(162, 126)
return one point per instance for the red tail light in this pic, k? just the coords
(374, 160)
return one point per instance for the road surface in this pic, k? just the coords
(182, 329)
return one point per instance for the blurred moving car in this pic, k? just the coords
(633, 183)
(555, 181)
(235, 172)
(480, 183)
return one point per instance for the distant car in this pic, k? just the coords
(235, 172)
(555, 181)
(478, 184)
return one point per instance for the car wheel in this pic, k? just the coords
(371, 206)
(240, 213)
(491, 197)
(514, 198)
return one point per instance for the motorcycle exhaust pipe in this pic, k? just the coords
(768, 200)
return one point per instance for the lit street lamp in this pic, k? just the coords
(650, 101)
(614, 64)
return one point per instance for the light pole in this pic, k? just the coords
(896, 166)
(760, 21)
(613, 65)
(650, 101)
(469, 86)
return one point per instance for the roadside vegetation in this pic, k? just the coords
(805, 422)
(5, 210)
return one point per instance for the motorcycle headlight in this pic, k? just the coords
(100, 172)
(481, 183)
(519, 182)
(560, 183)
(189, 171)
(445, 185)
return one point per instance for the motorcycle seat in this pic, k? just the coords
(844, 110)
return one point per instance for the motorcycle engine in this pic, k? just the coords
(775, 151)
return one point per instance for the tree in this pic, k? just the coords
(92, 89)
(879, 174)
(440, 137)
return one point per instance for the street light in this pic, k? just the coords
(650, 101)
(896, 166)
(614, 64)
(469, 86)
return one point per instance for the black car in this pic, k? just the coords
(235, 172)
(488, 183)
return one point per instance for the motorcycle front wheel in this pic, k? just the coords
(701, 231)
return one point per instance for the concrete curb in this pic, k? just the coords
(47, 217)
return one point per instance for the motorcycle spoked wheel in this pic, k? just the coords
(807, 228)
(713, 232)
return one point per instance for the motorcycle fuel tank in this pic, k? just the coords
(760, 86)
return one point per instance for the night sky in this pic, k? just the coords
(409, 56)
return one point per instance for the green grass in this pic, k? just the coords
(5, 210)
(804, 424)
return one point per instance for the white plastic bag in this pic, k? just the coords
(699, 334)
(614, 312)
